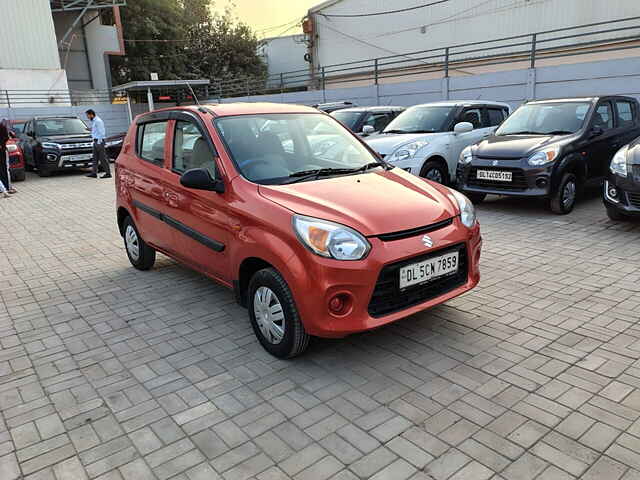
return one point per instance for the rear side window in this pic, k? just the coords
(603, 118)
(150, 142)
(496, 116)
(625, 113)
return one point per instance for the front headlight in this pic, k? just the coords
(12, 148)
(406, 152)
(619, 163)
(54, 146)
(545, 156)
(467, 210)
(466, 155)
(114, 143)
(330, 240)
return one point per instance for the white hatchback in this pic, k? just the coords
(427, 139)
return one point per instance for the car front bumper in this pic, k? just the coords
(372, 284)
(67, 159)
(527, 181)
(627, 198)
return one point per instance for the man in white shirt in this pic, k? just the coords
(98, 133)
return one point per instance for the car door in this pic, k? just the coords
(459, 141)
(601, 141)
(146, 177)
(26, 143)
(199, 218)
(628, 127)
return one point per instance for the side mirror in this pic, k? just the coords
(596, 132)
(368, 130)
(463, 127)
(200, 179)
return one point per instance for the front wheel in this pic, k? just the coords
(615, 215)
(274, 316)
(141, 255)
(564, 199)
(434, 171)
(18, 175)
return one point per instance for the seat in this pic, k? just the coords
(599, 122)
(271, 144)
(201, 156)
(178, 154)
(473, 118)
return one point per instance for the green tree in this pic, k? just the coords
(187, 41)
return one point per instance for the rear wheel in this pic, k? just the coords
(564, 199)
(435, 171)
(141, 255)
(615, 215)
(274, 315)
(18, 175)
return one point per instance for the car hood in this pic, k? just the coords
(633, 154)
(66, 138)
(515, 146)
(373, 203)
(387, 143)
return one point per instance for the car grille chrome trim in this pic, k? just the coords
(414, 232)
(68, 146)
(387, 297)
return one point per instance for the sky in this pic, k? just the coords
(265, 15)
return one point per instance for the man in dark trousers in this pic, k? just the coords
(98, 134)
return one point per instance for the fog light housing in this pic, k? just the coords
(341, 304)
(51, 157)
(611, 192)
(541, 182)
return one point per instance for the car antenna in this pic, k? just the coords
(201, 109)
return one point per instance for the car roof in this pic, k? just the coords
(581, 99)
(460, 103)
(53, 117)
(371, 109)
(245, 108)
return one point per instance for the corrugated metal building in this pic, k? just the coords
(341, 34)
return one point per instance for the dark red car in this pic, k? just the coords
(16, 160)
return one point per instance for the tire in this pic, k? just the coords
(433, 170)
(18, 175)
(476, 198)
(615, 215)
(291, 338)
(141, 255)
(563, 201)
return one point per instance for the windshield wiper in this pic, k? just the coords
(523, 132)
(325, 172)
(395, 131)
(559, 132)
(422, 131)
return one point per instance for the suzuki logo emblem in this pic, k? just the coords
(495, 163)
(427, 241)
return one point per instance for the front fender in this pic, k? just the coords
(572, 162)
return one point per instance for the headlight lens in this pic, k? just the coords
(619, 163)
(545, 156)
(55, 146)
(12, 148)
(330, 240)
(467, 210)
(406, 151)
(466, 155)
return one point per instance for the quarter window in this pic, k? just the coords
(625, 113)
(151, 137)
(603, 118)
(191, 149)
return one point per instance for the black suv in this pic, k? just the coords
(51, 144)
(550, 149)
(367, 120)
(622, 186)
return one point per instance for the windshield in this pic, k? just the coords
(276, 148)
(545, 119)
(420, 119)
(347, 118)
(50, 127)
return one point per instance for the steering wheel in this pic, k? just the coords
(252, 162)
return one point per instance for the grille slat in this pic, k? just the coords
(388, 237)
(387, 297)
(634, 199)
(519, 181)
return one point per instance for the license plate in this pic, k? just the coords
(428, 270)
(495, 175)
(78, 158)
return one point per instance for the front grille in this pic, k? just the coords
(389, 237)
(634, 199)
(70, 146)
(387, 297)
(518, 183)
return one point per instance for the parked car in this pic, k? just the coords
(367, 120)
(550, 149)
(52, 144)
(16, 160)
(333, 106)
(427, 139)
(17, 127)
(622, 186)
(309, 242)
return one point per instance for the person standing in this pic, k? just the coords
(98, 133)
(5, 176)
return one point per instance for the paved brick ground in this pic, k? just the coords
(110, 373)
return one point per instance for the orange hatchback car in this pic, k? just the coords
(281, 203)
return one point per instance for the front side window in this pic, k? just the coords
(378, 120)
(473, 116)
(496, 116)
(545, 119)
(50, 127)
(281, 148)
(191, 149)
(421, 119)
(603, 118)
(349, 119)
(151, 137)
